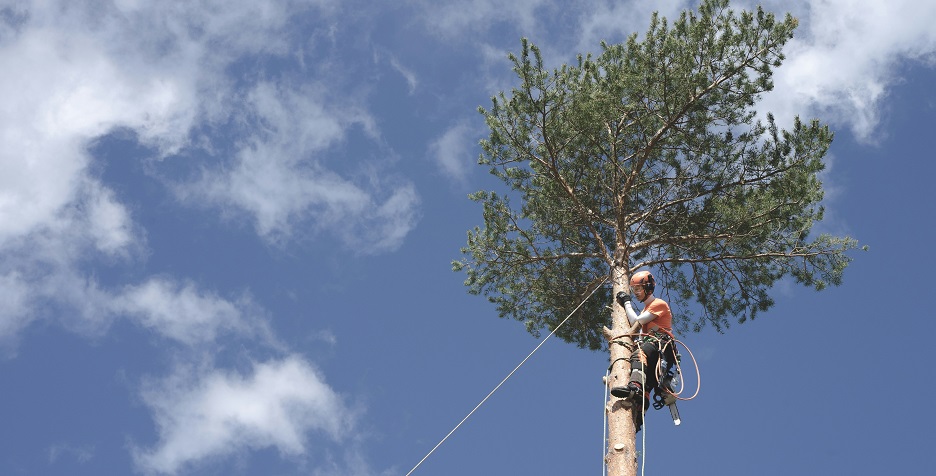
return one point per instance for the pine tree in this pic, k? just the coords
(650, 156)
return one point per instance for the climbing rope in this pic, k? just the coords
(659, 373)
(597, 287)
(604, 428)
(604, 423)
(643, 409)
(643, 444)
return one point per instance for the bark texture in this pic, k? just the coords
(621, 457)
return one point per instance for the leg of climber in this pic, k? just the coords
(643, 375)
(651, 351)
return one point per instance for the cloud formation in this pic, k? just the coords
(452, 151)
(186, 314)
(847, 55)
(279, 178)
(162, 70)
(209, 414)
(461, 19)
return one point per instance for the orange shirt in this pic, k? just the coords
(663, 319)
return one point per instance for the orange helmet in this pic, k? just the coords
(644, 279)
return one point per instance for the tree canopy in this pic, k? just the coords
(651, 155)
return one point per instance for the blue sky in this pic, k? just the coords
(226, 230)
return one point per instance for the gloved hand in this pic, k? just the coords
(623, 298)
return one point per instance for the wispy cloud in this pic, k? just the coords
(184, 313)
(204, 414)
(455, 152)
(162, 70)
(43, 276)
(15, 309)
(40, 262)
(411, 79)
(79, 453)
(279, 177)
(466, 19)
(614, 21)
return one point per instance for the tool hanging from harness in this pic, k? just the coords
(664, 394)
(666, 372)
(664, 375)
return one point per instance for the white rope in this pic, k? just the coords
(508, 376)
(643, 420)
(604, 430)
(604, 424)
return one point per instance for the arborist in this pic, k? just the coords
(654, 341)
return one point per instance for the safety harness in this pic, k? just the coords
(667, 371)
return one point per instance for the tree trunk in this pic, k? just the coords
(621, 457)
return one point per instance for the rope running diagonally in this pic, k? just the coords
(597, 287)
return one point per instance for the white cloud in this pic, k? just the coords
(383, 227)
(846, 56)
(41, 277)
(70, 86)
(184, 313)
(15, 313)
(844, 59)
(272, 177)
(161, 70)
(204, 415)
(108, 222)
(181, 312)
(39, 262)
(411, 80)
(278, 177)
(455, 151)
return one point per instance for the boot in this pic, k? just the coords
(633, 389)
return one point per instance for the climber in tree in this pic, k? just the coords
(656, 331)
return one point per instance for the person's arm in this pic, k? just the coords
(643, 318)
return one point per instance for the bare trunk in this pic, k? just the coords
(621, 457)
